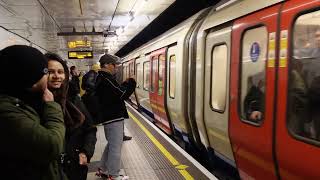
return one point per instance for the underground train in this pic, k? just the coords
(240, 80)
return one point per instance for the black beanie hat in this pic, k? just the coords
(21, 66)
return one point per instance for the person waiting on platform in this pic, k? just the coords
(112, 96)
(80, 134)
(89, 85)
(32, 129)
(89, 79)
(74, 85)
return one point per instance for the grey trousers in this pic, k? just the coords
(111, 157)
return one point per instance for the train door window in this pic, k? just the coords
(123, 73)
(304, 79)
(146, 75)
(172, 76)
(131, 69)
(161, 70)
(139, 74)
(130, 65)
(219, 67)
(154, 66)
(127, 71)
(253, 70)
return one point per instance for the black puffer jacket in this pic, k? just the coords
(112, 95)
(83, 138)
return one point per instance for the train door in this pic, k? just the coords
(157, 89)
(252, 93)
(298, 100)
(216, 95)
(132, 73)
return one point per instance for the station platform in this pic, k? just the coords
(150, 154)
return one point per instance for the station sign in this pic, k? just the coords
(76, 44)
(80, 54)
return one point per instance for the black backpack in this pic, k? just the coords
(90, 99)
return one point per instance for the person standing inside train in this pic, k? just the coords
(32, 126)
(113, 112)
(80, 133)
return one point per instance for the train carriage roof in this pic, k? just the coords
(167, 38)
(229, 12)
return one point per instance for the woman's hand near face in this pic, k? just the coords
(47, 96)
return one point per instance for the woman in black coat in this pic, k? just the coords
(80, 136)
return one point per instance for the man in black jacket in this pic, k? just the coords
(89, 85)
(113, 111)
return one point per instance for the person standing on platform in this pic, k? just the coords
(89, 84)
(113, 111)
(80, 133)
(74, 84)
(32, 128)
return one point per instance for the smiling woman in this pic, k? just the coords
(80, 134)
(56, 74)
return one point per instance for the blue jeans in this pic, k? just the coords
(111, 157)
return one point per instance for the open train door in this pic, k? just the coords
(157, 89)
(252, 93)
(298, 132)
(132, 74)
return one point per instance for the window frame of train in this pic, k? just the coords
(172, 79)
(161, 70)
(138, 78)
(153, 68)
(130, 65)
(131, 68)
(303, 60)
(146, 88)
(123, 72)
(253, 40)
(212, 77)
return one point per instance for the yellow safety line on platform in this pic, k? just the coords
(163, 150)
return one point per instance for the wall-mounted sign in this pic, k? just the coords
(80, 54)
(75, 44)
(255, 52)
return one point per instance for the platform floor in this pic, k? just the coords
(149, 155)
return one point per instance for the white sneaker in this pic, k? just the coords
(121, 177)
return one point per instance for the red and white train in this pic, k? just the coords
(196, 80)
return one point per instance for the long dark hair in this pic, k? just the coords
(72, 115)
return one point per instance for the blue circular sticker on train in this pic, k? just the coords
(255, 52)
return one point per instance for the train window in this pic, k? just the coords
(127, 71)
(172, 76)
(154, 66)
(161, 71)
(219, 77)
(146, 75)
(130, 65)
(304, 79)
(131, 69)
(253, 70)
(139, 74)
(123, 73)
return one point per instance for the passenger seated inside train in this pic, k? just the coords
(254, 100)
